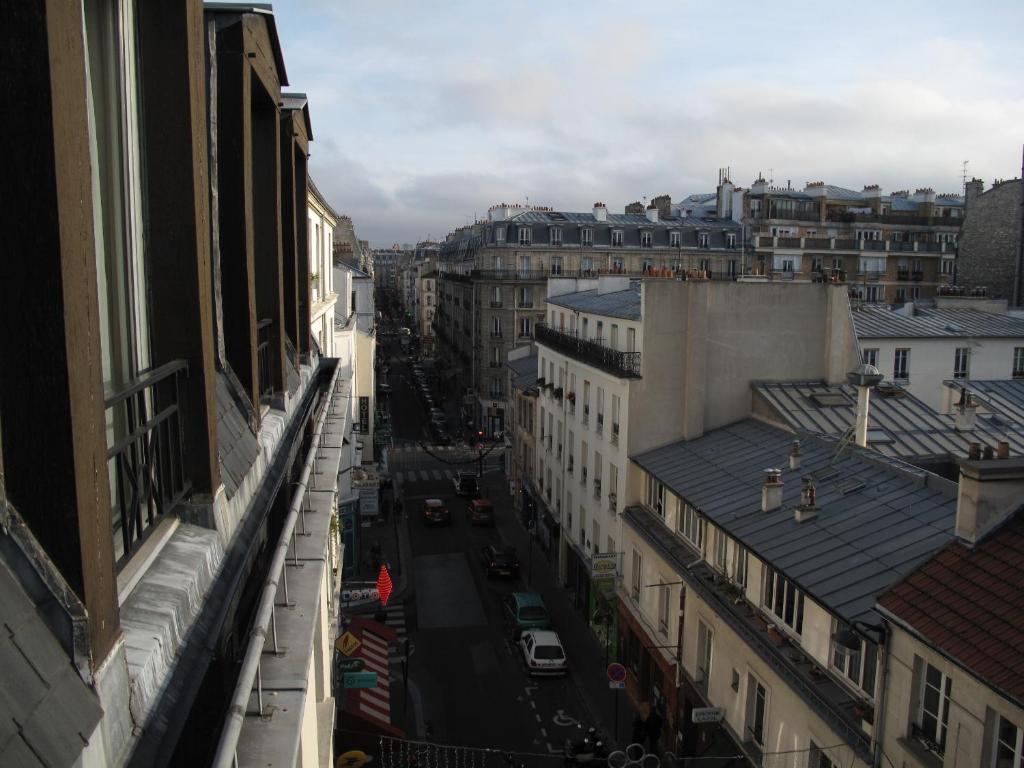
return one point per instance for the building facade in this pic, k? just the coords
(990, 256)
(322, 222)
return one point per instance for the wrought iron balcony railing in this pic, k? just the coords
(146, 461)
(622, 364)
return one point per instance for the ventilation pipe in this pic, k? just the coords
(771, 491)
(864, 378)
(794, 455)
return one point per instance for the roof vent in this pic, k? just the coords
(807, 509)
(849, 486)
(771, 490)
(794, 455)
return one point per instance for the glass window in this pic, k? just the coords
(556, 236)
(783, 600)
(674, 239)
(524, 235)
(869, 356)
(1018, 362)
(901, 365)
(857, 666)
(1009, 745)
(721, 550)
(664, 594)
(691, 526)
(587, 236)
(654, 495)
(617, 237)
(960, 363)
(933, 708)
(757, 710)
(636, 572)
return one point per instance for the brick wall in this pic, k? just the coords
(990, 240)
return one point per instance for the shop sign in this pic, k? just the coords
(708, 714)
(604, 565)
(364, 413)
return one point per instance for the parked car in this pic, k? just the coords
(466, 485)
(500, 560)
(543, 652)
(523, 611)
(480, 512)
(435, 512)
(439, 433)
(436, 414)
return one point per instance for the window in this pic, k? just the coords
(857, 666)
(587, 236)
(730, 240)
(524, 327)
(496, 296)
(635, 584)
(901, 364)
(721, 550)
(496, 327)
(596, 540)
(739, 564)
(645, 238)
(618, 264)
(960, 362)
(757, 709)
(556, 236)
(617, 237)
(818, 759)
(1008, 747)
(946, 267)
(705, 643)
(704, 240)
(654, 495)
(664, 594)
(499, 234)
(869, 357)
(691, 526)
(901, 295)
(673, 239)
(1018, 362)
(556, 264)
(525, 235)
(526, 297)
(783, 600)
(816, 263)
(933, 708)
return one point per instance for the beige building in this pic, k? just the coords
(322, 220)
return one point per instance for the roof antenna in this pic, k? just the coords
(965, 176)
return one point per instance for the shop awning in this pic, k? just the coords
(369, 709)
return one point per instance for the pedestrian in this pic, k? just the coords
(653, 728)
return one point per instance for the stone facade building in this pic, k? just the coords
(990, 240)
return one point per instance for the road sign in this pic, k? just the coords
(351, 665)
(708, 714)
(347, 643)
(617, 684)
(360, 680)
(616, 673)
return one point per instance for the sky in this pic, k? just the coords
(425, 114)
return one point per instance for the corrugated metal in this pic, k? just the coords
(872, 322)
(860, 543)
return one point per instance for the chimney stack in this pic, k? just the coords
(771, 491)
(988, 493)
(600, 212)
(652, 213)
(864, 377)
(794, 455)
(966, 412)
(807, 508)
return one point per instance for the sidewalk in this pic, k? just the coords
(586, 655)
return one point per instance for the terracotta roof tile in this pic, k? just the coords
(970, 603)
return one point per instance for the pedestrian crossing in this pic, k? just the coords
(395, 620)
(417, 475)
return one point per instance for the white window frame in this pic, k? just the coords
(755, 686)
(937, 740)
(1016, 748)
(525, 235)
(646, 238)
(636, 574)
(616, 238)
(664, 601)
(654, 495)
(869, 356)
(499, 234)
(586, 236)
(674, 239)
(782, 592)
(721, 550)
(901, 372)
(692, 526)
(962, 363)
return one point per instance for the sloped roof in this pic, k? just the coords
(619, 219)
(266, 11)
(1004, 398)
(900, 426)
(524, 371)
(873, 322)
(969, 603)
(624, 304)
(878, 518)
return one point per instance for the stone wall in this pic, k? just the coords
(990, 241)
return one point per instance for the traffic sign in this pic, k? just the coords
(616, 672)
(616, 684)
(347, 643)
(360, 680)
(351, 664)
(708, 714)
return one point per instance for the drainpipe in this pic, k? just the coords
(880, 709)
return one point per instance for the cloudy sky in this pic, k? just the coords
(424, 113)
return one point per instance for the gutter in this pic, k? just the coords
(225, 756)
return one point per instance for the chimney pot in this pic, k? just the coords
(988, 452)
(974, 451)
(771, 491)
(794, 455)
(1003, 449)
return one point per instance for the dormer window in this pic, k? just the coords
(730, 240)
(617, 237)
(499, 234)
(525, 236)
(645, 238)
(704, 240)
(674, 239)
(556, 236)
(586, 236)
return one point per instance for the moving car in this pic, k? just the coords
(480, 512)
(543, 652)
(466, 485)
(435, 512)
(523, 611)
(500, 560)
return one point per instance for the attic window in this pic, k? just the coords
(824, 473)
(849, 486)
(879, 436)
(829, 399)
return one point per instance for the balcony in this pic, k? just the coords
(600, 423)
(495, 364)
(496, 305)
(622, 364)
(903, 275)
(524, 304)
(148, 462)
(870, 275)
(917, 275)
(495, 334)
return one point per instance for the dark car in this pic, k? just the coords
(480, 512)
(466, 485)
(500, 560)
(435, 512)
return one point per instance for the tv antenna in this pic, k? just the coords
(964, 170)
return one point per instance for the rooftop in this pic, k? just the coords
(524, 371)
(899, 425)
(624, 304)
(879, 322)
(969, 604)
(877, 519)
(619, 219)
(1004, 399)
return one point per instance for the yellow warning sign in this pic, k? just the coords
(354, 758)
(347, 643)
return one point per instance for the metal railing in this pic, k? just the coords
(264, 357)
(149, 477)
(622, 364)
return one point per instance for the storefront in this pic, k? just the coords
(651, 674)
(578, 577)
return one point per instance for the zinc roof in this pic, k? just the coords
(877, 518)
(874, 322)
(619, 219)
(624, 304)
(1004, 399)
(899, 425)
(524, 371)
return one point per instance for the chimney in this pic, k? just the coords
(664, 203)
(794, 455)
(652, 213)
(760, 186)
(723, 207)
(807, 508)
(635, 208)
(972, 189)
(771, 491)
(966, 412)
(864, 377)
(600, 212)
(990, 490)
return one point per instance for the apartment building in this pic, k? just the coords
(521, 439)
(743, 585)
(990, 257)
(355, 328)
(426, 303)
(627, 365)
(889, 248)
(156, 437)
(322, 222)
(955, 629)
(506, 261)
(960, 339)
